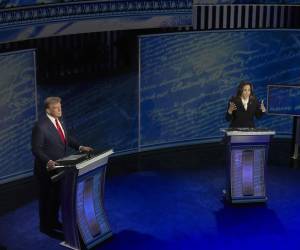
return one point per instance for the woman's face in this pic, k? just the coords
(246, 92)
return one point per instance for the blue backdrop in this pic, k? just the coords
(181, 96)
(100, 113)
(9, 3)
(186, 80)
(18, 112)
(283, 99)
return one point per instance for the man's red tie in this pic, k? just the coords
(60, 132)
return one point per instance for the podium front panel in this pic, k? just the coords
(83, 210)
(249, 139)
(247, 172)
(91, 217)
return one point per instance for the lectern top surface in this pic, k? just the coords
(72, 159)
(248, 131)
(94, 162)
(75, 159)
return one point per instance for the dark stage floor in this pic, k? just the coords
(179, 208)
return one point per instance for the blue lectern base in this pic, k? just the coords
(250, 200)
(245, 199)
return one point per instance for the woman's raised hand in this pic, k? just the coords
(232, 107)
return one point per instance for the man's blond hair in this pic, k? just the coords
(51, 100)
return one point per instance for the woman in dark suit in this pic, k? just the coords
(243, 107)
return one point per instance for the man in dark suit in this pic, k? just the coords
(50, 141)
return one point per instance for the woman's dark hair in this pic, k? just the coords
(241, 86)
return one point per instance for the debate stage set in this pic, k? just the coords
(146, 84)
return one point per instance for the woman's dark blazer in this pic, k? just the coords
(242, 118)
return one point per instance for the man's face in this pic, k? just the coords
(54, 110)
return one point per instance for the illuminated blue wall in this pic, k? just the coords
(283, 99)
(187, 78)
(100, 113)
(18, 112)
(181, 96)
(10, 3)
(75, 17)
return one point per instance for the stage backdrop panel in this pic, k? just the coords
(18, 113)
(246, 1)
(101, 113)
(284, 100)
(9, 3)
(57, 18)
(186, 80)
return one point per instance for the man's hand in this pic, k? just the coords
(51, 165)
(85, 149)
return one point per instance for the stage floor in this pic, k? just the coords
(179, 208)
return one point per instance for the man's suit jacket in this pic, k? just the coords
(242, 118)
(47, 144)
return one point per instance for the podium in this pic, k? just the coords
(84, 219)
(246, 159)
